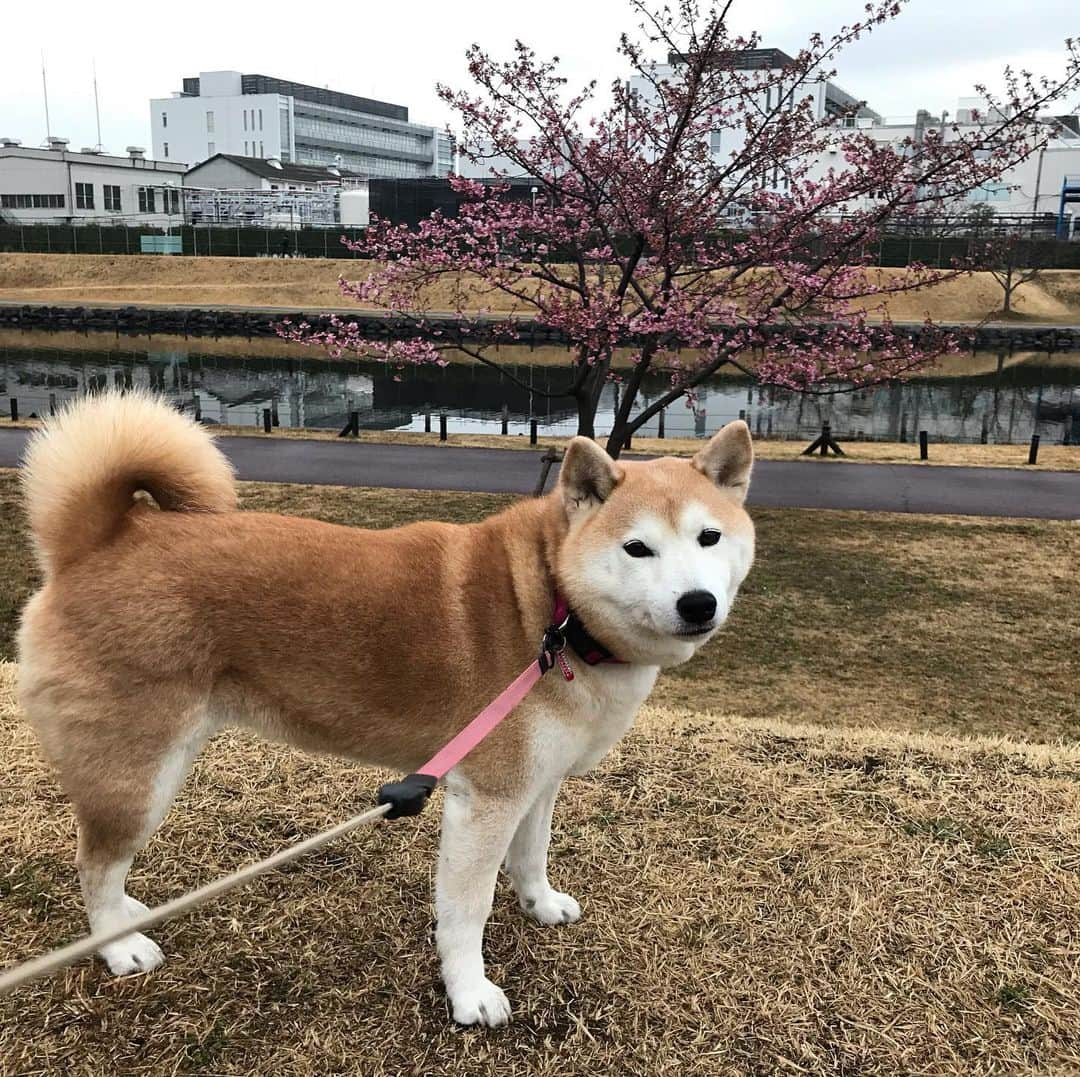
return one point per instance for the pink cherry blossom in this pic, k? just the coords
(640, 238)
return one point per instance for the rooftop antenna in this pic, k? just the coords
(45, 92)
(97, 108)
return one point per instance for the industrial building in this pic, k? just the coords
(230, 190)
(227, 189)
(263, 117)
(59, 185)
(1032, 187)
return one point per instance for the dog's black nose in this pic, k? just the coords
(697, 607)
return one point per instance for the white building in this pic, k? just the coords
(259, 116)
(827, 98)
(54, 185)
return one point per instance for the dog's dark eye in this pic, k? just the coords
(636, 548)
(709, 537)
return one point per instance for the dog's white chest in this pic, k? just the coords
(601, 707)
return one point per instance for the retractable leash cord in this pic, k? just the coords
(395, 799)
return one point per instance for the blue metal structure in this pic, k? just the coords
(1070, 192)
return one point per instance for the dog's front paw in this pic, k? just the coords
(480, 1003)
(131, 955)
(552, 907)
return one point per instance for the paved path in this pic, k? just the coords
(971, 491)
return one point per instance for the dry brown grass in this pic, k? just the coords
(761, 894)
(758, 899)
(312, 283)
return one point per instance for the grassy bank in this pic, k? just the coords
(311, 283)
(848, 619)
(759, 898)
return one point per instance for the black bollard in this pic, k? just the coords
(924, 443)
(660, 423)
(505, 419)
(14, 410)
(1033, 452)
(442, 426)
(532, 431)
(266, 421)
(427, 419)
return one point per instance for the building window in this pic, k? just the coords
(990, 192)
(246, 154)
(31, 201)
(245, 118)
(211, 149)
(261, 153)
(165, 146)
(209, 122)
(84, 196)
(146, 200)
(112, 197)
(170, 200)
(164, 119)
(260, 119)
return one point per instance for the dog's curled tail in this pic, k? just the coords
(81, 471)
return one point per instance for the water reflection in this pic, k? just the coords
(994, 398)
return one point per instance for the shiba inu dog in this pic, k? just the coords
(161, 621)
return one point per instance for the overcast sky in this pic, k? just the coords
(932, 54)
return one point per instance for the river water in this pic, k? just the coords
(998, 398)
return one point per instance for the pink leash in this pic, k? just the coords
(408, 796)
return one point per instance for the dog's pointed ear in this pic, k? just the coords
(728, 459)
(587, 476)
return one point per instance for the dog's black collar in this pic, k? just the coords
(586, 646)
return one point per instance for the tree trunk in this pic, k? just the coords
(1007, 306)
(587, 397)
(616, 440)
(586, 412)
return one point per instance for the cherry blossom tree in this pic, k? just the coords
(1013, 260)
(642, 241)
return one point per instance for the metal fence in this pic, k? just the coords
(199, 240)
(936, 248)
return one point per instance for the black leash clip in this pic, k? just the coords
(554, 643)
(407, 797)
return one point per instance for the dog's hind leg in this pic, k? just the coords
(112, 832)
(526, 864)
(120, 761)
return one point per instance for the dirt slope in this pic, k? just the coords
(312, 283)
